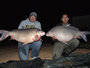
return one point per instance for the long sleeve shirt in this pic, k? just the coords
(28, 24)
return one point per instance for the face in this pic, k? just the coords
(65, 18)
(32, 18)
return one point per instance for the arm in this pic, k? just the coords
(21, 25)
(39, 26)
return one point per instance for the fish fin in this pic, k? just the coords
(12, 38)
(84, 38)
(24, 43)
(65, 42)
(4, 34)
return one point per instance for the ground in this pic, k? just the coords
(10, 52)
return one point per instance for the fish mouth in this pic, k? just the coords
(43, 33)
(47, 34)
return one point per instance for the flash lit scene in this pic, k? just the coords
(42, 34)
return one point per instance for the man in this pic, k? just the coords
(62, 49)
(30, 22)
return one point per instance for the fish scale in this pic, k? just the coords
(65, 34)
(22, 35)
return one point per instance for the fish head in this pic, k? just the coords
(49, 34)
(40, 33)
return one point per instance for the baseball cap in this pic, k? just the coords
(33, 14)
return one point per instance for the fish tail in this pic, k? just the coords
(86, 32)
(4, 34)
(83, 35)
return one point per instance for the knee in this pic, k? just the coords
(22, 56)
(76, 42)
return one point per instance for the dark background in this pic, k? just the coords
(13, 12)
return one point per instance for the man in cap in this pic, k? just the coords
(30, 22)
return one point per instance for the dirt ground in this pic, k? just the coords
(11, 52)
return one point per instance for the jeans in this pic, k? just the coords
(24, 50)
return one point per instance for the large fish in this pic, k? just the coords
(22, 35)
(65, 34)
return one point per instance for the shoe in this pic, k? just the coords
(34, 58)
(65, 55)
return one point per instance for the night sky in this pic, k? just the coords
(48, 12)
(13, 12)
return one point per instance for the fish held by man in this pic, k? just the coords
(22, 35)
(65, 34)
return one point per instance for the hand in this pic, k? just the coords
(37, 38)
(53, 37)
(75, 37)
